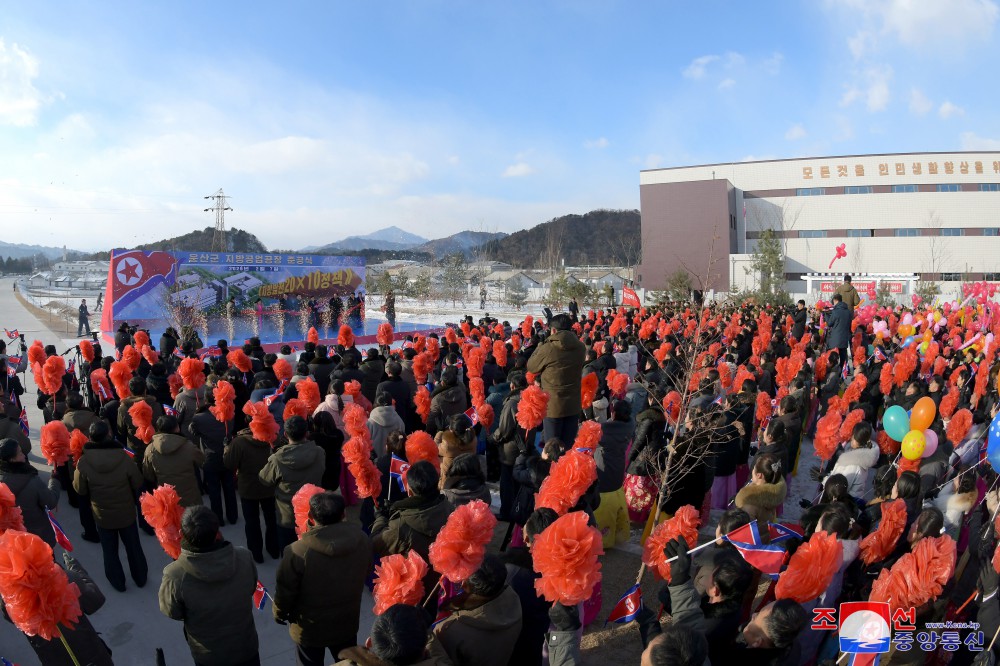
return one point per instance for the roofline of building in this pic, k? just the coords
(823, 157)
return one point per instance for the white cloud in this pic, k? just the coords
(773, 64)
(598, 143)
(972, 141)
(861, 43)
(919, 104)
(943, 26)
(19, 99)
(947, 110)
(725, 84)
(518, 170)
(795, 132)
(877, 93)
(696, 70)
(653, 161)
(851, 95)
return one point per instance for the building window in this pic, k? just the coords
(954, 231)
(951, 277)
(907, 232)
(810, 191)
(905, 188)
(989, 187)
(992, 277)
(949, 187)
(860, 233)
(992, 231)
(813, 234)
(858, 189)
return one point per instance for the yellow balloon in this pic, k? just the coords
(913, 445)
(937, 317)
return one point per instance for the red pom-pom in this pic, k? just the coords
(87, 350)
(821, 366)
(847, 427)
(919, 576)
(886, 444)
(77, 440)
(239, 359)
(588, 436)
(36, 353)
(672, 405)
(879, 544)
(764, 407)
(566, 556)
(162, 510)
(948, 403)
(885, 379)
(224, 408)
(308, 391)
(474, 361)
(142, 419)
(422, 366)
(282, 369)
(617, 383)
(55, 443)
(52, 374)
(420, 446)
(100, 385)
(827, 435)
(568, 479)
(295, 407)
(313, 335)
(142, 339)
(300, 506)
(531, 409)
(854, 391)
(192, 372)
(357, 453)
(500, 353)
(355, 421)
(147, 353)
(959, 426)
(811, 569)
(36, 592)
(907, 465)
(422, 401)
(10, 512)
(131, 358)
(353, 388)
(176, 384)
(262, 424)
(460, 546)
(486, 414)
(684, 523)
(588, 389)
(345, 336)
(399, 579)
(904, 364)
(120, 374)
(384, 334)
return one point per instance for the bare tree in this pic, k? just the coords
(628, 247)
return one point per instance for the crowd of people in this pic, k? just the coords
(703, 411)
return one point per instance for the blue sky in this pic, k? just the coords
(326, 119)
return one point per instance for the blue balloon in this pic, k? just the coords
(907, 342)
(896, 422)
(993, 443)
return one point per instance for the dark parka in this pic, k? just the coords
(287, 470)
(610, 454)
(32, 495)
(247, 456)
(127, 428)
(838, 327)
(559, 361)
(319, 585)
(212, 593)
(107, 475)
(210, 435)
(171, 459)
(508, 435)
(412, 524)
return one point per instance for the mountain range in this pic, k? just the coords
(394, 239)
(22, 251)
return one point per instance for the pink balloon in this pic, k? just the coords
(932, 442)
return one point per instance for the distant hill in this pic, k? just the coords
(201, 241)
(600, 237)
(464, 242)
(22, 251)
(389, 238)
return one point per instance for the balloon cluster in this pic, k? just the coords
(980, 291)
(913, 430)
(993, 443)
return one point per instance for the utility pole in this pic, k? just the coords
(220, 208)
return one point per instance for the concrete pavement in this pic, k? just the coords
(131, 622)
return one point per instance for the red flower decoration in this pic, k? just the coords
(300, 506)
(239, 359)
(879, 544)
(77, 440)
(588, 389)
(422, 401)
(36, 592)
(192, 372)
(10, 512)
(312, 335)
(959, 425)
(282, 369)
(420, 446)
(308, 391)
(617, 383)
(684, 523)
(568, 479)
(827, 435)
(399, 579)
(262, 424)
(384, 334)
(811, 569)
(55, 443)
(345, 337)
(531, 408)
(142, 419)
(162, 510)
(460, 546)
(224, 408)
(566, 555)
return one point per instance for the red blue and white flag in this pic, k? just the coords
(766, 559)
(23, 421)
(397, 471)
(61, 537)
(844, 370)
(169, 411)
(71, 368)
(782, 532)
(260, 596)
(12, 335)
(628, 607)
(102, 392)
(282, 386)
(473, 415)
(129, 452)
(6, 662)
(880, 354)
(268, 399)
(864, 659)
(746, 534)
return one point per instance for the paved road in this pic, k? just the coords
(130, 622)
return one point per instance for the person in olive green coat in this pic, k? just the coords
(246, 456)
(320, 581)
(210, 589)
(171, 458)
(289, 468)
(137, 386)
(109, 478)
(558, 361)
(31, 494)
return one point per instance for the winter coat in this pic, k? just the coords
(648, 445)
(445, 403)
(127, 428)
(691, 475)
(450, 446)
(171, 459)
(246, 457)
(212, 593)
(158, 388)
(495, 396)
(464, 489)
(610, 454)
(186, 405)
(954, 506)
(381, 423)
(210, 435)
(858, 466)
(402, 396)
(330, 406)
(799, 318)
(79, 419)
(484, 635)
(508, 435)
(412, 524)
(760, 501)
(728, 450)
(288, 469)
(10, 429)
(850, 295)
(793, 432)
(838, 327)
(107, 475)
(374, 369)
(32, 495)
(529, 472)
(319, 585)
(558, 360)
(535, 621)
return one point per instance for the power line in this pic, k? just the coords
(220, 208)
